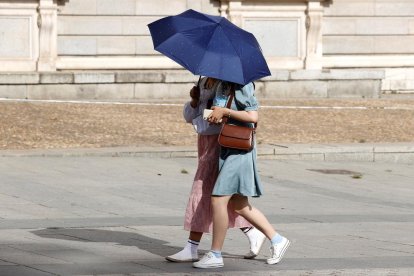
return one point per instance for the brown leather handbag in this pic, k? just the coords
(234, 136)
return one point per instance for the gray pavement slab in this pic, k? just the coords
(103, 215)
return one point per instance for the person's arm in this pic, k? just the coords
(191, 108)
(246, 100)
(189, 113)
(242, 116)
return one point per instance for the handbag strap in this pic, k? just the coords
(199, 80)
(228, 105)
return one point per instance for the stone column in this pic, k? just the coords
(233, 12)
(314, 17)
(224, 8)
(47, 23)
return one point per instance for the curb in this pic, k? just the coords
(377, 152)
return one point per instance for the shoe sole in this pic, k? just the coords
(249, 257)
(181, 261)
(281, 255)
(209, 266)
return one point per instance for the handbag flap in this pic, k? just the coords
(239, 132)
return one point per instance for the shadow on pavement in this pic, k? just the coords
(154, 246)
(105, 266)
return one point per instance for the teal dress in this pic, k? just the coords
(238, 172)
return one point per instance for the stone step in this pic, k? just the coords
(172, 84)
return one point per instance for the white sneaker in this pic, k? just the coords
(209, 260)
(277, 251)
(256, 240)
(183, 256)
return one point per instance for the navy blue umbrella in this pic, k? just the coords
(210, 46)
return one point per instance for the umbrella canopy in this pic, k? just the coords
(210, 46)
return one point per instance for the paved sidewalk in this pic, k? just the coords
(104, 215)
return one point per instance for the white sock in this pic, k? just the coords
(249, 233)
(188, 252)
(192, 246)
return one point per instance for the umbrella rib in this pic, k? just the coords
(198, 67)
(232, 45)
(213, 46)
(247, 44)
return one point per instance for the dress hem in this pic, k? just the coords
(237, 194)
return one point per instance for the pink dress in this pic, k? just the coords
(198, 215)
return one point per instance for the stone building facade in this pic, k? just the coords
(102, 48)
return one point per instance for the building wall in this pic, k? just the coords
(372, 33)
(115, 27)
(368, 27)
(295, 34)
(305, 43)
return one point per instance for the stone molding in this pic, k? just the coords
(26, 15)
(368, 61)
(314, 19)
(114, 63)
(47, 24)
(174, 84)
(308, 15)
(177, 76)
(41, 38)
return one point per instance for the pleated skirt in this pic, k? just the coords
(198, 215)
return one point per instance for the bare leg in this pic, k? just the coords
(195, 236)
(220, 220)
(242, 206)
(279, 244)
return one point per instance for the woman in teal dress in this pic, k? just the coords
(238, 178)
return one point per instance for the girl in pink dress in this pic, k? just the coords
(198, 215)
